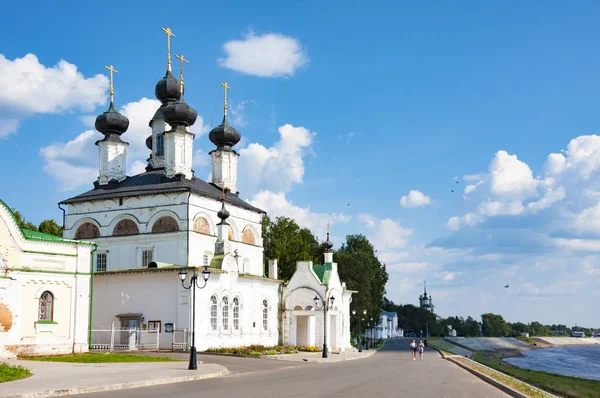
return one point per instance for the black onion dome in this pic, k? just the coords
(224, 136)
(179, 114)
(327, 245)
(223, 214)
(167, 89)
(111, 122)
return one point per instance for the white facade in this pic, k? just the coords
(301, 323)
(44, 291)
(224, 168)
(178, 152)
(113, 160)
(387, 328)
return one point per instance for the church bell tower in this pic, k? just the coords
(113, 150)
(224, 158)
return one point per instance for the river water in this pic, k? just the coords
(569, 361)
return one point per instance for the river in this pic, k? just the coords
(578, 361)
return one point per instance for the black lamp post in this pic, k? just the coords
(358, 337)
(325, 307)
(372, 336)
(193, 281)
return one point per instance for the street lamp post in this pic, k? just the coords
(358, 337)
(193, 282)
(372, 326)
(325, 307)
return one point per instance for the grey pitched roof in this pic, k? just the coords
(153, 182)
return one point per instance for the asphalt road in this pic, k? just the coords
(389, 373)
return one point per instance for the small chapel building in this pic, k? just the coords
(315, 308)
(44, 291)
(152, 225)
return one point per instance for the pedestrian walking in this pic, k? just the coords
(421, 349)
(413, 347)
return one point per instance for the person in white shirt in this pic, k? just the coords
(413, 347)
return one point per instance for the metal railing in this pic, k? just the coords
(124, 339)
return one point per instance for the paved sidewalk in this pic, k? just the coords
(51, 379)
(317, 356)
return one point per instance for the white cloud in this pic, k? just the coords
(276, 205)
(415, 199)
(200, 159)
(511, 178)
(27, 88)
(385, 233)
(268, 55)
(277, 167)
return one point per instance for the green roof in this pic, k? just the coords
(39, 236)
(323, 272)
(217, 261)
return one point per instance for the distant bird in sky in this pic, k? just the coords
(452, 190)
(506, 286)
(457, 182)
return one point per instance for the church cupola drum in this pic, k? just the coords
(224, 158)
(113, 150)
(179, 141)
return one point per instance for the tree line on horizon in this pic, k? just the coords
(414, 319)
(47, 226)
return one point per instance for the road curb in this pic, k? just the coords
(499, 385)
(119, 386)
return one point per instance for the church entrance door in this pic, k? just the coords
(333, 332)
(302, 330)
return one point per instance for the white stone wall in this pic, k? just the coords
(224, 169)
(113, 161)
(159, 296)
(28, 268)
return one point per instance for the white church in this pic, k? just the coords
(152, 226)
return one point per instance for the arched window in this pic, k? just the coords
(213, 312)
(265, 315)
(236, 314)
(46, 307)
(248, 237)
(165, 224)
(202, 226)
(87, 230)
(126, 227)
(225, 313)
(160, 145)
(230, 233)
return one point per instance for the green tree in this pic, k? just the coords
(472, 327)
(360, 268)
(288, 243)
(50, 227)
(23, 223)
(494, 325)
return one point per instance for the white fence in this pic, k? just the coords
(180, 340)
(121, 339)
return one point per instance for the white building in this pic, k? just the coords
(312, 289)
(44, 291)
(150, 226)
(388, 326)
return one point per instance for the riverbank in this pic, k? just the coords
(565, 386)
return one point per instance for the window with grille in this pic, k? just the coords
(46, 307)
(225, 313)
(147, 257)
(205, 260)
(101, 262)
(265, 315)
(236, 314)
(160, 145)
(213, 312)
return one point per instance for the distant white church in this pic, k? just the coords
(151, 226)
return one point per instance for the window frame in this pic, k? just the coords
(43, 303)
(213, 312)
(144, 251)
(225, 313)
(98, 254)
(265, 315)
(236, 313)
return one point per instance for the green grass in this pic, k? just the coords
(527, 340)
(100, 358)
(12, 373)
(564, 386)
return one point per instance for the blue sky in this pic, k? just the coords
(343, 112)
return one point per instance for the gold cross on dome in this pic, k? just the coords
(181, 59)
(112, 89)
(328, 225)
(169, 34)
(225, 88)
